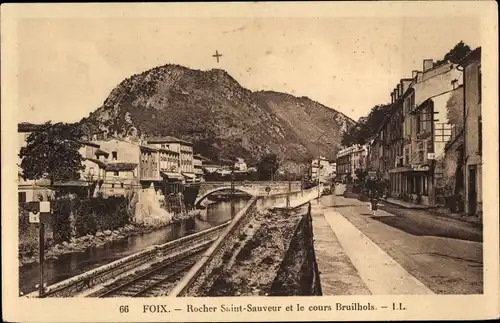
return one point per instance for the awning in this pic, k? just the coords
(189, 175)
(175, 176)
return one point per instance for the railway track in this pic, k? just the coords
(156, 281)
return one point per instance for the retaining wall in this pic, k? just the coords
(201, 273)
(298, 274)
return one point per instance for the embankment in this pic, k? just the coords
(272, 254)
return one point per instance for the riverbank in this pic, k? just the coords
(268, 257)
(100, 238)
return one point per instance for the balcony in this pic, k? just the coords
(424, 134)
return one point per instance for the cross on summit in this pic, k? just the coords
(217, 55)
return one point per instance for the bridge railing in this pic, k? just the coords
(201, 273)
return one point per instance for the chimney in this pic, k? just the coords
(392, 97)
(414, 74)
(405, 84)
(428, 63)
(400, 90)
(419, 76)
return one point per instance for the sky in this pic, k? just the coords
(67, 67)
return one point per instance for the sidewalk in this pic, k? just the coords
(406, 205)
(338, 276)
(442, 212)
(357, 260)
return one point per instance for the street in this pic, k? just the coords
(422, 252)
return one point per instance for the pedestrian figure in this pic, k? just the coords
(373, 195)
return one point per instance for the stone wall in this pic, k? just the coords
(298, 274)
(201, 275)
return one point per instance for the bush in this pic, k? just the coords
(99, 214)
(60, 221)
(85, 220)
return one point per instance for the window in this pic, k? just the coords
(420, 156)
(430, 146)
(425, 186)
(114, 155)
(423, 121)
(112, 185)
(21, 196)
(480, 135)
(442, 132)
(479, 83)
(121, 185)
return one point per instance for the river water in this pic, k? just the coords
(72, 264)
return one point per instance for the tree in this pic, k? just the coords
(366, 127)
(456, 53)
(268, 166)
(454, 108)
(51, 152)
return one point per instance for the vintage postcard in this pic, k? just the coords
(201, 162)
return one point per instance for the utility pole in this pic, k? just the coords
(233, 206)
(40, 212)
(41, 256)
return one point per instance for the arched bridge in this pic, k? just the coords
(254, 188)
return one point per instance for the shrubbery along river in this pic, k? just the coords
(72, 264)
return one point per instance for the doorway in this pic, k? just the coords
(472, 196)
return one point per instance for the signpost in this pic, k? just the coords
(40, 213)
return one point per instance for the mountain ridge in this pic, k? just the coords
(221, 117)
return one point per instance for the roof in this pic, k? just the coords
(148, 148)
(172, 175)
(113, 167)
(474, 55)
(98, 162)
(201, 157)
(168, 139)
(89, 143)
(100, 152)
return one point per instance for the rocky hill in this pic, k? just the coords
(218, 115)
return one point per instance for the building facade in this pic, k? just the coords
(412, 149)
(198, 167)
(473, 133)
(28, 190)
(240, 165)
(351, 159)
(321, 169)
(183, 148)
(344, 164)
